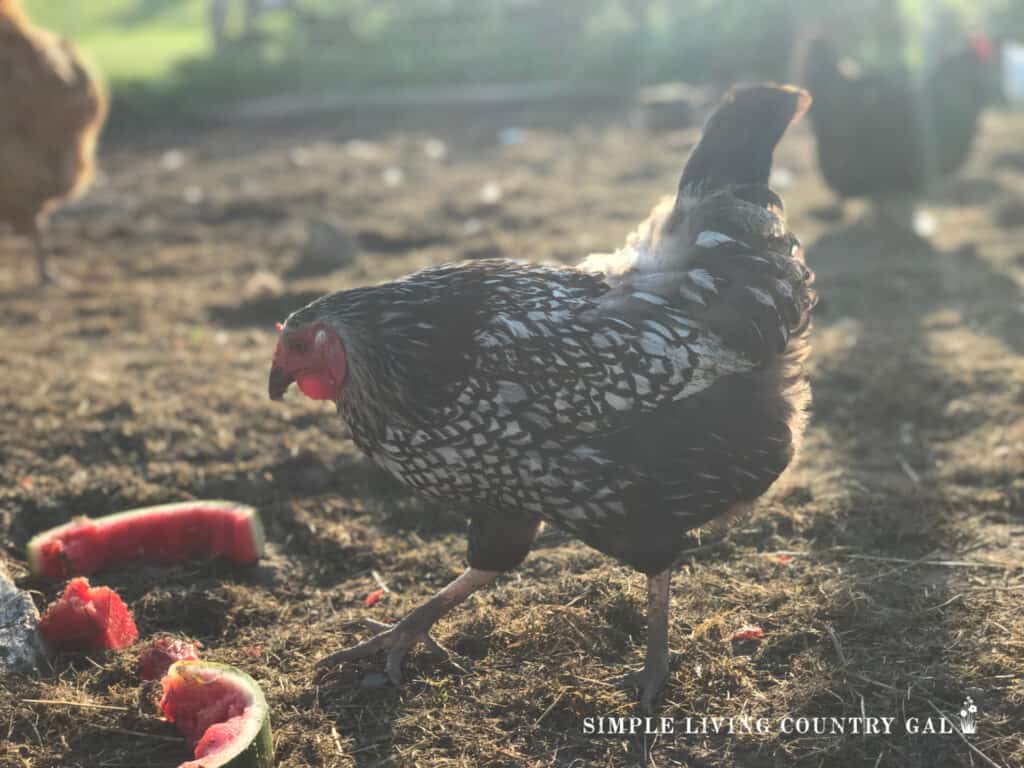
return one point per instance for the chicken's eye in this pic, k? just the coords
(298, 346)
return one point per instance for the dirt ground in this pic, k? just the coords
(885, 569)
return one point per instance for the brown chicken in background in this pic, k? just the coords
(52, 111)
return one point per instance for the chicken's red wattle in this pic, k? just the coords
(316, 386)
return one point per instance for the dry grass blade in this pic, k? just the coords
(836, 644)
(910, 472)
(337, 740)
(550, 707)
(939, 563)
(140, 734)
(82, 704)
(870, 681)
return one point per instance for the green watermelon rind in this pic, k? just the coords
(256, 744)
(36, 544)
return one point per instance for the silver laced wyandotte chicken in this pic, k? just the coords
(51, 112)
(626, 401)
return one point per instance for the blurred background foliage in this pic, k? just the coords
(166, 50)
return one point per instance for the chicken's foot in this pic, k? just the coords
(400, 638)
(46, 277)
(45, 271)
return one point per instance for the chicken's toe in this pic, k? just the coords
(358, 651)
(396, 639)
(648, 681)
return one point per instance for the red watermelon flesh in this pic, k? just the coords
(195, 711)
(162, 652)
(161, 535)
(88, 619)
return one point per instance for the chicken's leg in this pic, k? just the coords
(43, 270)
(399, 639)
(650, 679)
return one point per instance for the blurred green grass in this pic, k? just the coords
(130, 41)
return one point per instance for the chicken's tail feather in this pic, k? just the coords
(740, 137)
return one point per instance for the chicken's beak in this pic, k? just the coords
(279, 382)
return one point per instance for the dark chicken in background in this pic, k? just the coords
(883, 137)
(627, 401)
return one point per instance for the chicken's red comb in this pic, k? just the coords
(983, 47)
(279, 326)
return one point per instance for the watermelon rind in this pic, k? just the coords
(36, 544)
(259, 536)
(255, 745)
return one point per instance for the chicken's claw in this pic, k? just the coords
(397, 640)
(51, 277)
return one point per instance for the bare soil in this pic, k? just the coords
(146, 383)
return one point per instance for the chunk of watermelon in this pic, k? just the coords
(88, 619)
(162, 653)
(222, 713)
(162, 535)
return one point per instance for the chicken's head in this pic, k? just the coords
(312, 356)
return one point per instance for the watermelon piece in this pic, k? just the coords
(162, 653)
(162, 535)
(221, 712)
(88, 618)
(747, 632)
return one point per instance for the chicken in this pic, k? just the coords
(955, 94)
(627, 401)
(881, 137)
(53, 113)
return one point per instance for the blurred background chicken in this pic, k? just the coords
(888, 135)
(54, 109)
